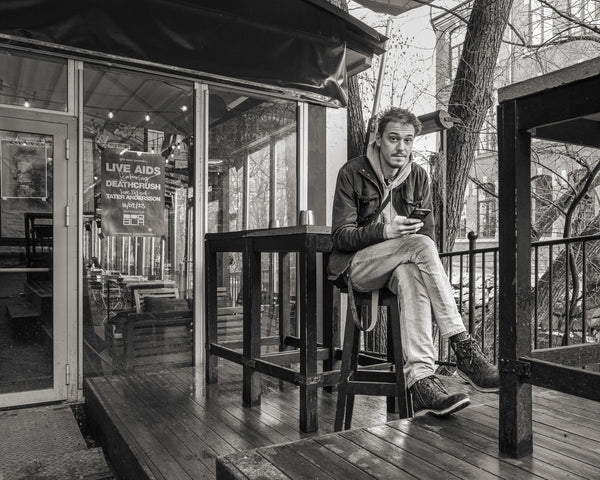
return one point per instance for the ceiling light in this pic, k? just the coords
(147, 118)
(183, 108)
(26, 104)
(111, 115)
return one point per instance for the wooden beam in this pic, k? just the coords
(570, 380)
(567, 102)
(578, 132)
(572, 355)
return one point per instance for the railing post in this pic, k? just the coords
(472, 240)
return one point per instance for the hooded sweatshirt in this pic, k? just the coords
(388, 186)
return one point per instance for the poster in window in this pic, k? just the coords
(133, 193)
(24, 169)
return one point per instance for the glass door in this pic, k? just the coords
(34, 241)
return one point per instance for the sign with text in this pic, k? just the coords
(133, 193)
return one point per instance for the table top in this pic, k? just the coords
(272, 232)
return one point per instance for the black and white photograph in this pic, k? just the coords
(299, 239)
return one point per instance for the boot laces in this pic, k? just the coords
(429, 387)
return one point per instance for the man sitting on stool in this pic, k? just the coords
(376, 245)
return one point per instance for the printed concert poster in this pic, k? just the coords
(133, 193)
(24, 169)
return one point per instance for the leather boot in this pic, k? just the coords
(430, 396)
(474, 367)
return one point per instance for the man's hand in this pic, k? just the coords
(401, 226)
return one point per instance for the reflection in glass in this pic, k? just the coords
(252, 184)
(137, 222)
(33, 81)
(26, 240)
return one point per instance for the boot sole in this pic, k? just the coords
(466, 378)
(446, 411)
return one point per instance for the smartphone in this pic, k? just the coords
(420, 213)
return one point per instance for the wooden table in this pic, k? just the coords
(308, 241)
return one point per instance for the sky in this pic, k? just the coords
(417, 62)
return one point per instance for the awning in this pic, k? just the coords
(304, 46)
(393, 7)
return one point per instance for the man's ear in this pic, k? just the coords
(378, 139)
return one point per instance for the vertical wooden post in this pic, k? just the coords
(515, 423)
(251, 326)
(307, 303)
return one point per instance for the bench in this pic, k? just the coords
(140, 294)
(229, 317)
(150, 340)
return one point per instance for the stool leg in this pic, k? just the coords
(346, 371)
(392, 405)
(404, 400)
(353, 367)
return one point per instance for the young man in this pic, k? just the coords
(375, 247)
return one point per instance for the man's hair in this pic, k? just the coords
(401, 115)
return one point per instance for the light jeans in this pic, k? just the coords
(410, 267)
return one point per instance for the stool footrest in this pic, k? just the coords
(374, 376)
(371, 388)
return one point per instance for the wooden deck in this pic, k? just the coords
(171, 425)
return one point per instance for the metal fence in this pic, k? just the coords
(565, 288)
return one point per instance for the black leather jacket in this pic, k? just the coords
(358, 194)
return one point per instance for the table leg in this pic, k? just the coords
(285, 310)
(251, 326)
(212, 361)
(307, 302)
(331, 324)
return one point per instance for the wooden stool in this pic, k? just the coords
(367, 380)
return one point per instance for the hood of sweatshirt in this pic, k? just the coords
(373, 156)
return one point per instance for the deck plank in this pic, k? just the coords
(174, 426)
(295, 466)
(407, 460)
(485, 440)
(166, 449)
(463, 447)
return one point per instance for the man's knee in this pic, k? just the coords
(405, 274)
(425, 246)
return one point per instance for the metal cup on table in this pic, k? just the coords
(306, 217)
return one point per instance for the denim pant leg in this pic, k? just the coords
(415, 322)
(372, 266)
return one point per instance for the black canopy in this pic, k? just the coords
(303, 45)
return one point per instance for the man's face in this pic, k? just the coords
(395, 145)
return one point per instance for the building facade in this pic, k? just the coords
(122, 142)
(542, 37)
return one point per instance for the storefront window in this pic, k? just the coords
(137, 221)
(252, 183)
(252, 162)
(32, 81)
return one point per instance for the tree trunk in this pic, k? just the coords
(470, 99)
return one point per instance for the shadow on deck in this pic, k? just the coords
(171, 425)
